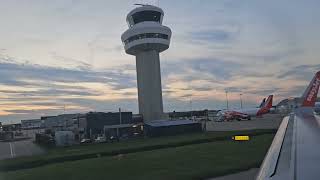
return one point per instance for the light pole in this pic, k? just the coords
(227, 99)
(241, 101)
(191, 107)
(120, 122)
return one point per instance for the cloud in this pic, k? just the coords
(202, 88)
(301, 72)
(193, 69)
(218, 68)
(79, 64)
(57, 92)
(264, 92)
(212, 36)
(294, 91)
(31, 89)
(52, 92)
(245, 46)
(19, 111)
(235, 89)
(11, 74)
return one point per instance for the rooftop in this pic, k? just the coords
(161, 123)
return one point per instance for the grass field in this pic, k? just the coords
(58, 155)
(194, 161)
(187, 162)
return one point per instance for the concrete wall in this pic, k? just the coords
(149, 85)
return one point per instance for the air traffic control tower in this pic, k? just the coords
(145, 39)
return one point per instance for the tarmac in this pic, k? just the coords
(22, 147)
(268, 121)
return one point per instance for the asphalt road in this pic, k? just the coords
(268, 121)
(18, 148)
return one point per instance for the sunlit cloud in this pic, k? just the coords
(67, 57)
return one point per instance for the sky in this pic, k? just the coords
(66, 56)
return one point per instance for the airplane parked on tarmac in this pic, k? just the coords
(239, 114)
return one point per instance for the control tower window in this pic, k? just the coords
(146, 16)
(146, 35)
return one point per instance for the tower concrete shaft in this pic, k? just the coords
(149, 85)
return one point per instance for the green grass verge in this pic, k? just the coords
(58, 155)
(189, 162)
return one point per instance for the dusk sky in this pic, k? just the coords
(66, 56)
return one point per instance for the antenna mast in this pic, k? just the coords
(156, 3)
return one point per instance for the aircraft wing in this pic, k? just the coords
(295, 150)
